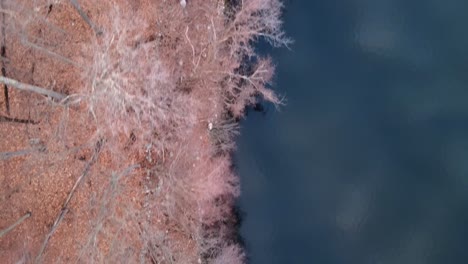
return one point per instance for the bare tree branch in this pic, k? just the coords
(50, 53)
(64, 209)
(12, 154)
(31, 88)
(85, 17)
(19, 221)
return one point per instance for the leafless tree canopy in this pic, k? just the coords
(118, 120)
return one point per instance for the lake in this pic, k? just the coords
(368, 160)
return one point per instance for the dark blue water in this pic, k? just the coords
(368, 161)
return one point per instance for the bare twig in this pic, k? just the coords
(31, 88)
(215, 37)
(23, 152)
(64, 209)
(19, 221)
(195, 64)
(191, 45)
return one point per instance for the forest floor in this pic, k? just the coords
(124, 156)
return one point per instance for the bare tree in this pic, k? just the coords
(128, 94)
(253, 19)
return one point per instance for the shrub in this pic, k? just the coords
(223, 133)
(231, 254)
(129, 92)
(243, 75)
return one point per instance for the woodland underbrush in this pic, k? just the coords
(118, 121)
